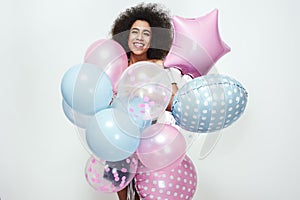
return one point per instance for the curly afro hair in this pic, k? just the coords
(159, 21)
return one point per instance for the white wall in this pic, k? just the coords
(41, 156)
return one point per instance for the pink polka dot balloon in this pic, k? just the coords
(176, 184)
(109, 177)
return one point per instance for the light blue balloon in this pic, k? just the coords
(79, 119)
(86, 88)
(209, 103)
(106, 140)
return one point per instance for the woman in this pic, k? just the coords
(145, 32)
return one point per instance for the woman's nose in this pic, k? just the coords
(139, 36)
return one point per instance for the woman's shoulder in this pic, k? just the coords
(157, 61)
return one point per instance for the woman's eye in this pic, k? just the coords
(146, 34)
(134, 32)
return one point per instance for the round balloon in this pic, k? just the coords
(107, 141)
(86, 88)
(209, 103)
(108, 176)
(176, 184)
(163, 143)
(126, 120)
(145, 90)
(79, 119)
(110, 56)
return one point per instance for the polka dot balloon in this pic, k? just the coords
(175, 184)
(209, 103)
(144, 90)
(107, 176)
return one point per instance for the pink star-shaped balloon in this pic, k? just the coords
(196, 45)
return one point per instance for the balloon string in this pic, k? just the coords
(130, 191)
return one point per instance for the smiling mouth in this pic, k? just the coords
(138, 45)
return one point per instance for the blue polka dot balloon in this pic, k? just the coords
(209, 103)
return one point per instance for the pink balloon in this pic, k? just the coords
(176, 184)
(107, 176)
(161, 145)
(197, 44)
(110, 56)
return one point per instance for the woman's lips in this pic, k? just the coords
(138, 45)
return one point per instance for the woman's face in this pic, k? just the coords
(139, 37)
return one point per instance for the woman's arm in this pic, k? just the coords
(174, 90)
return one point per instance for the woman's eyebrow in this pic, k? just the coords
(138, 29)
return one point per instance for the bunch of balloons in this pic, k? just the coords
(118, 107)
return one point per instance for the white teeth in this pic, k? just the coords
(138, 44)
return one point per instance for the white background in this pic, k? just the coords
(41, 157)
